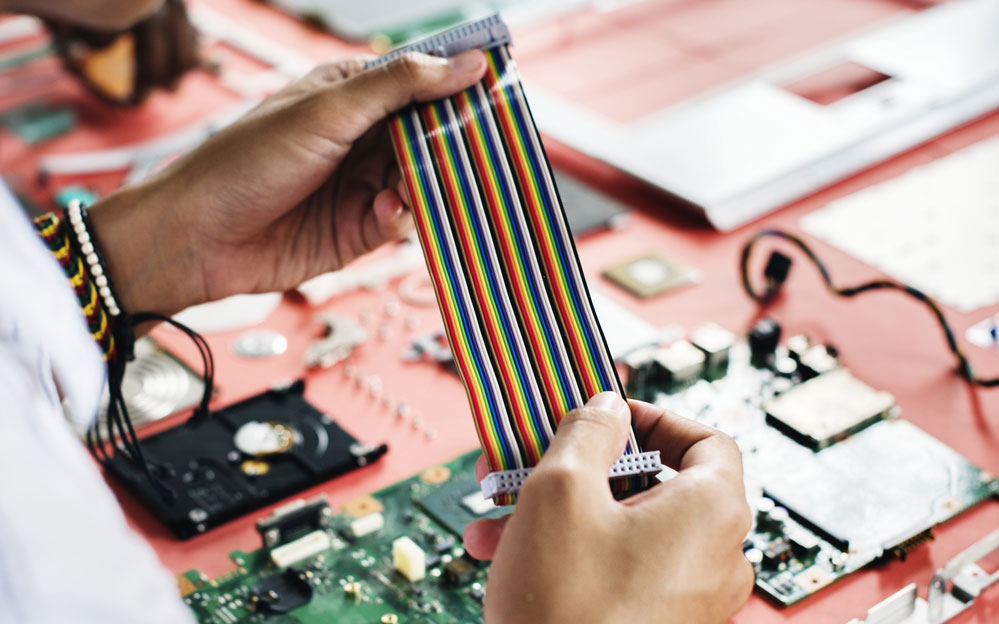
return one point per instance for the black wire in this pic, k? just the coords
(207, 361)
(118, 424)
(773, 287)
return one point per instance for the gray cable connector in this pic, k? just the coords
(488, 32)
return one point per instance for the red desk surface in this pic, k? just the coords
(885, 339)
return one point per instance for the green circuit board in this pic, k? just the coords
(354, 581)
(835, 478)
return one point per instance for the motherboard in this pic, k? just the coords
(836, 480)
(392, 557)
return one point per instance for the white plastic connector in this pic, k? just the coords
(305, 546)
(630, 465)
(409, 559)
(367, 525)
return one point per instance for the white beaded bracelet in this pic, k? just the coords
(75, 213)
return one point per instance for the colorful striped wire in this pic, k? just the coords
(512, 295)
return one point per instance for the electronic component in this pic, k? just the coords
(827, 408)
(282, 593)
(804, 545)
(650, 274)
(478, 594)
(509, 285)
(816, 360)
(366, 525)
(645, 464)
(294, 520)
(715, 341)
(409, 559)
(302, 548)
(477, 504)
(443, 545)
(778, 553)
(640, 368)
(680, 362)
(459, 572)
(447, 504)
(201, 464)
(763, 340)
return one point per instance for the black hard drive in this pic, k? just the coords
(216, 468)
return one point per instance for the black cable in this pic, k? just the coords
(776, 273)
(120, 431)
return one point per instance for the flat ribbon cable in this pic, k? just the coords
(513, 298)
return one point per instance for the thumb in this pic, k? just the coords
(482, 537)
(372, 95)
(590, 438)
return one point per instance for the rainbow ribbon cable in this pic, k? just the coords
(511, 291)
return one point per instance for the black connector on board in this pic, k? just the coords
(294, 520)
(778, 266)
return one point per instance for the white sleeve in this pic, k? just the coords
(66, 551)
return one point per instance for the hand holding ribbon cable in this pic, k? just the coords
(518, 316)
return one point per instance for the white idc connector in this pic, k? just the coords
(630, 465)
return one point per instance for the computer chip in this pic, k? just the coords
(827, 409)
(650, 274)
(451, 504)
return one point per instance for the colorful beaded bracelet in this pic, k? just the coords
(74, 248)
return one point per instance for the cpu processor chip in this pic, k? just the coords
(827, 409)
(650, 274)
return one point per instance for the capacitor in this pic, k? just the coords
(778, 516)
(763, 340)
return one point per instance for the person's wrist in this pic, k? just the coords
(149, 258)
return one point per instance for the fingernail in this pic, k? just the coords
(610, 402)
(466, 62)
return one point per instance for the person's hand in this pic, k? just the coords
(303, 184)
(571, 553)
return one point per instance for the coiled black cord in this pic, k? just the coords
(776, 273)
